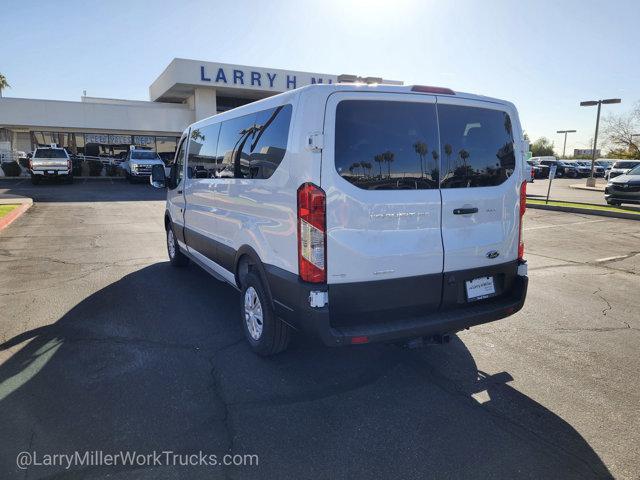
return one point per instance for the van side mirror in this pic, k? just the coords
(158, 178)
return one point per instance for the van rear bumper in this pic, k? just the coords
(291, 303)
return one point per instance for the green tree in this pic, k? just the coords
(389, 157)
(379, 159)
(421, 150)
(3, 84)
(542, 147)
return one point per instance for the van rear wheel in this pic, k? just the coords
(266, 334)
(176, 257)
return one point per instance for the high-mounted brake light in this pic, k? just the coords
(523, 207)
(427, 89)
(312, 234)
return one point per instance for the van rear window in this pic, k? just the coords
(477, 146)
(387, 145)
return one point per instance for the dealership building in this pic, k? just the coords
(186, 91)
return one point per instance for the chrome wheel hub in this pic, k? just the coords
(253, 313)
(171, 244)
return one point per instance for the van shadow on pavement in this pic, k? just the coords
(157, 361)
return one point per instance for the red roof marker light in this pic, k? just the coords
(427, 89)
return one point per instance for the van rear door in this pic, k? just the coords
(380, 175)
(480, 185)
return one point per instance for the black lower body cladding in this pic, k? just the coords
(396, 309)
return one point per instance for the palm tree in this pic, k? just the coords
(421, 150)
(388, 157)
(3, 84)
(379, 158)
(367, 165)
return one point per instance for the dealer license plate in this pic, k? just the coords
(480, 288)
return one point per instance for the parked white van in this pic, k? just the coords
(355, 213)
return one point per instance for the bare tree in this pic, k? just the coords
(621, 131)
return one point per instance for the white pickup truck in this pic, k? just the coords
(50, 162)
(138, 163)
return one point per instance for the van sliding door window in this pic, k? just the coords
(477, 146)
(386, 145)
(202, 151)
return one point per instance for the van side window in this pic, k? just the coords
(269, 143)
(387, 145)
(477, 146)
(233, 146)
(202, 151)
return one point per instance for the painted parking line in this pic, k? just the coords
(540, 227)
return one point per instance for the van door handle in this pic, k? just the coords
(465, 211)
(179, 192)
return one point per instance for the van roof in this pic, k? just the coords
(327, 89)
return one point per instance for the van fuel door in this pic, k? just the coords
(315, 141)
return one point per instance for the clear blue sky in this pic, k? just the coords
(545, 55)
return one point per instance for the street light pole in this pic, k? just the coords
(591, 181)
(565, 140)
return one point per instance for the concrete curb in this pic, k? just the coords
(8, 219)
(75, 179)
(599, 213)
(579, 186)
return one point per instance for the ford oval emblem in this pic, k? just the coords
(493, 254)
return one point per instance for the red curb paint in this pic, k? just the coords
(12, 215)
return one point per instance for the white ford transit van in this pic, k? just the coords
(355, 213)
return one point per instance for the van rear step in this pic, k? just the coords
(420, 342)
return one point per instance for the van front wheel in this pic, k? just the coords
(266, 334)
(176, 257)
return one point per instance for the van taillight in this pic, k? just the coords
(523, 207)
(312, 234)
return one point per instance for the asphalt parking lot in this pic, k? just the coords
(104, 346)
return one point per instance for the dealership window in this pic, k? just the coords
(233, 147)
(387, 145)
(79, 143)
(166, 148)
(202, 151)
(477, 146)
(268, 144)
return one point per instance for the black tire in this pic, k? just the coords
(275, 334)
(176, 257)
(614, 203)
(35, 179)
